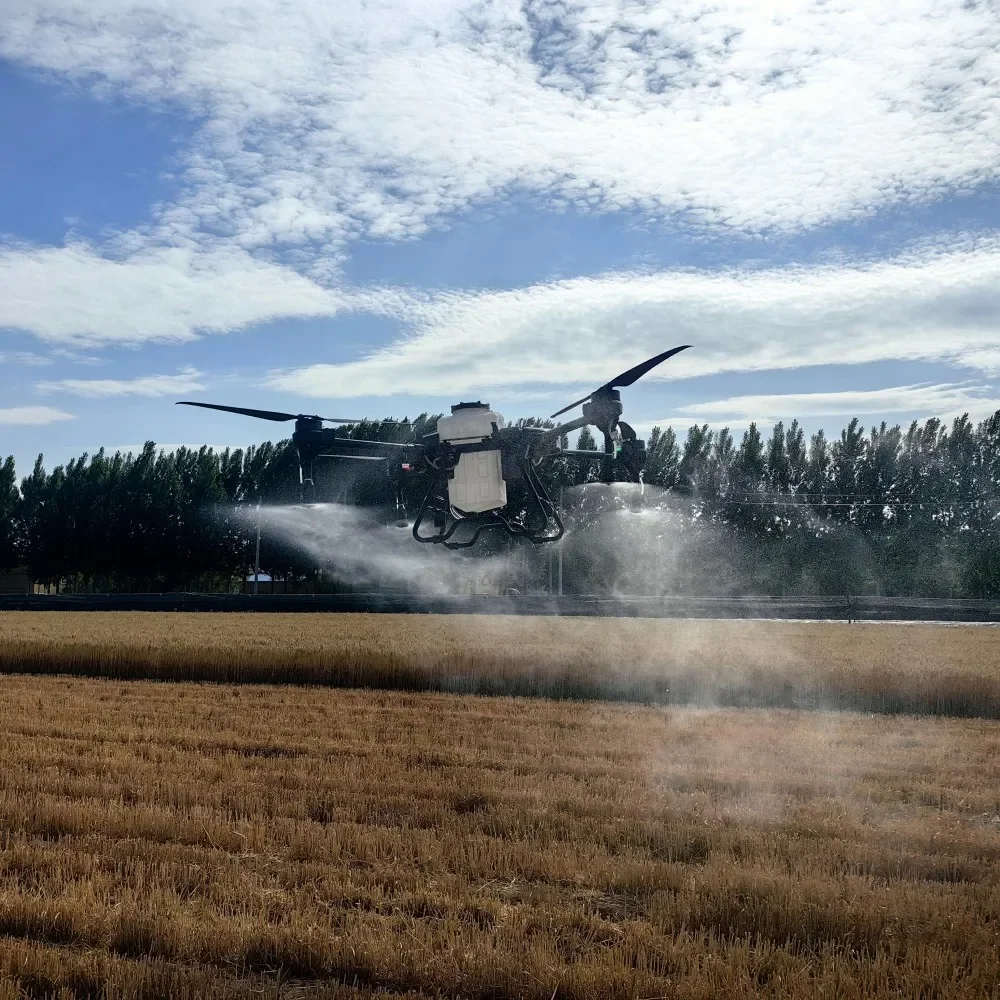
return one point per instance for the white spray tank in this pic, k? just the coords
(477, 484)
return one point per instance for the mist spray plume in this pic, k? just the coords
(629, 539)
(352, 545)
(622, 539)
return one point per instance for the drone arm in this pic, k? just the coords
(313, 444)
(595, 456)
(345, 447)
(547, 443)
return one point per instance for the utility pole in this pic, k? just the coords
(561, 540)
(256, 562)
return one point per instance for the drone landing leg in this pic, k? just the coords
(608, 462)
(545, 506)
(307, 485)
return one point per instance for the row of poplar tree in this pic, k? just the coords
(886, 510)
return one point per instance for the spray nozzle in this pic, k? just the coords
(616, 438)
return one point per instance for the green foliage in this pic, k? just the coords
(9, 500)
(662, 458)
(889, 511)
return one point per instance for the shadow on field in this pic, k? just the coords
(675, 676)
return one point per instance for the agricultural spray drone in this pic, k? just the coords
(469, 460)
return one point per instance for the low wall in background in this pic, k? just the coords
(804, 608)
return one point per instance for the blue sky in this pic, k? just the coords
(383, 209)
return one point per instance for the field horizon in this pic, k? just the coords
(925, 669)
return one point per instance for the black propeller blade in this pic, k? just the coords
(627, 378)
(261, 414)
(280, 417)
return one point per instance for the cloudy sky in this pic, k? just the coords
(383, 207)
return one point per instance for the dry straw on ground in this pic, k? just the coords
(178, 840)
(923, 669)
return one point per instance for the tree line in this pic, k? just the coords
(912, 511)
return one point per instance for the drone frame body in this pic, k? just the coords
(521, 451)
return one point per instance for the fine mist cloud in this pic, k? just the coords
(622, 540)
(353, 546)
(629, 539)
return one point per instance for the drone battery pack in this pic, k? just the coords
(477, 484)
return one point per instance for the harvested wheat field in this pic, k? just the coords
(195, 840)
(872, 667)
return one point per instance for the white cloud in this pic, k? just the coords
(324, 121)
(185, 381)
(28, 358)
(76, 357)
(927, 306)
(33, 415)
(74, 295)
(943, 400)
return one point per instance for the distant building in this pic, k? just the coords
(249, 587)
(17, 582)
